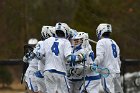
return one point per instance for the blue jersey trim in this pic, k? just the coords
(55, 71)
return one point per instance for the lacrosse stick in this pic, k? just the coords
(84, 76)
(104, 72)
(92, 41)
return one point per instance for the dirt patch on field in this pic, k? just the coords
(15, 87)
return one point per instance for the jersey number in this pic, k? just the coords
(55, 49)
(114, 50)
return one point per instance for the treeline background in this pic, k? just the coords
(21, 20)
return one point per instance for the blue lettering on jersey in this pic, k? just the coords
(55, 48)
(114, 51)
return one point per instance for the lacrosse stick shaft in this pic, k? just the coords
(92, 41)
(84, 67)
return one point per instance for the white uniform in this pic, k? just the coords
(30, 77)
(92, 79)
(39, 74)
(75, 79)
(55, 50)
(108, 55)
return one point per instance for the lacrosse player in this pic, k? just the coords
(57, 51)
(47, 31)
(76, 79)
(30, 77)
(108, 55)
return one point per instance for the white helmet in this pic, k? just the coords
(47, 31)
(64, 28)
(82, 37)
(32, 41)
(102, 28)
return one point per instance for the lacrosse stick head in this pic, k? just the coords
(104, 72)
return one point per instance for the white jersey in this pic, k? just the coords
(41, 63)
(55, 51)
(108, 55)
(32, 66)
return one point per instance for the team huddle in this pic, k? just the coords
(63, 62)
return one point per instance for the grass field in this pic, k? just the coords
(11, 91)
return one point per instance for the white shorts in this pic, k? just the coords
(30, 79)
(108, 84)
(75, 86)
(56, 82)
(92, 84)
(117, 84)
(41, 84)
(40, 81)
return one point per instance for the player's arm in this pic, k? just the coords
(39, 51)
(69, 56)
(99, 53)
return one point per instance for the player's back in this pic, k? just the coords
(111, 54)
(56, 50)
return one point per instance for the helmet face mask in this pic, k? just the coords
(102, 28)
(47, 31)
(77, 42)
(80, 39)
